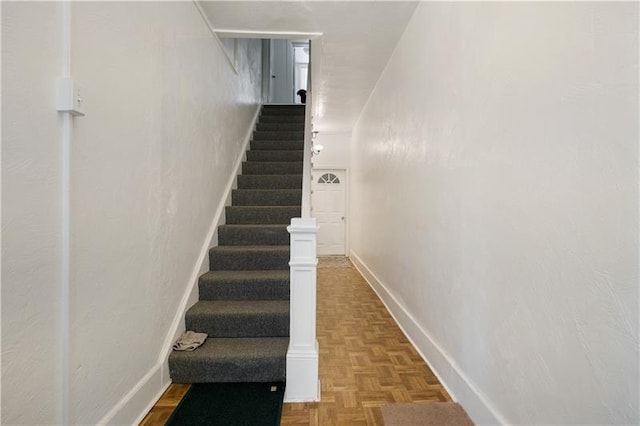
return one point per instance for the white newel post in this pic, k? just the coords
(302, 357)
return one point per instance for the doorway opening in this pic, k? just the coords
(286, 63)
(300, 68)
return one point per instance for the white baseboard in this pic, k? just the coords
(136, 403)
(441, 363)
(144, 394)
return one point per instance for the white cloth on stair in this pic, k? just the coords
(189, 341)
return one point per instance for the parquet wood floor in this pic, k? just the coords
(365, 360)
(160, 412)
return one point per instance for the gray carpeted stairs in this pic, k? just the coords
(244, 298)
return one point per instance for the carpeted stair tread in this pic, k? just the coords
(282, 110)
(275, 145)
(239, 318)
(276, 155)
(255, 234)
(244, 285)
(266, 197)
(279, 118)
(242, 275)
(278, 106)
(269, 181)
(286, 127)
(271, 168)
(256, 359)
(243, 258)
(278, 135)
(261, 214)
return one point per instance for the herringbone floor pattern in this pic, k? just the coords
(365, 360)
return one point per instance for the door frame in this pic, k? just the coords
(266, 71)
(347, 225)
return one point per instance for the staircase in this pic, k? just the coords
(244, 298)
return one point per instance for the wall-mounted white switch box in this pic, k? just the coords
(70, 97)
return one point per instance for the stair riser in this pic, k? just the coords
(287, 127)
(282, 112)
(277, 145)
(286, 119)
(282, 197)
(278, 135)
(244, 290)
(253, 236)
(240, 325)
(269, 182)
(275, 155)
(248, 261)
(227, 371)
(261, 215)
(271, 168)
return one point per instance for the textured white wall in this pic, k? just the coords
(166, 121)
(336, 150)
(31, 196)
(495, 196)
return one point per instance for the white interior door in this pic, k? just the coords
(281, 61)
(328, 206)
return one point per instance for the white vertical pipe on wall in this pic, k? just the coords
(0, 223)
(66, 134)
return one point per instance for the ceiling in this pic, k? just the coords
(356, 41)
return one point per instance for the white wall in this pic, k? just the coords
(495, 205)
(31, 209)
(166, 121)
(336, 150)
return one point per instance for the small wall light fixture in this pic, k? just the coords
(316, 149)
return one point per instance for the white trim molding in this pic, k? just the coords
(216, 35)
(439, 361)
(287, 35)
(302, 357)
